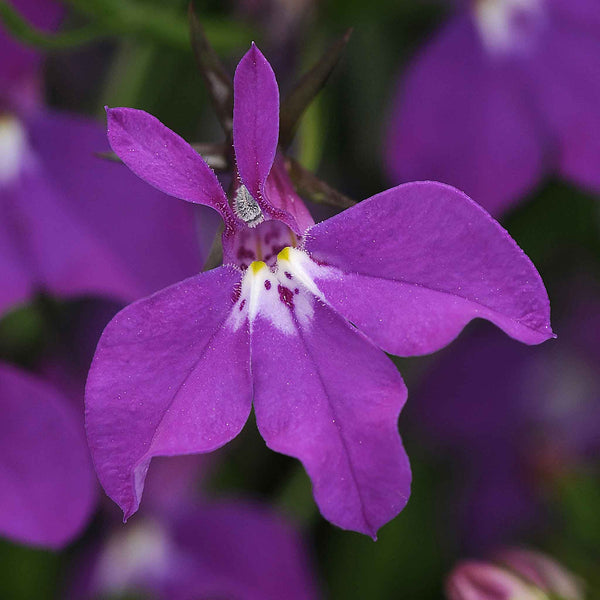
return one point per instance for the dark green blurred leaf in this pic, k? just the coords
(26, 33)
(405, 562)
(218, 81)
(310, 84)
(313, 188)
(22, 335)
(27, 574)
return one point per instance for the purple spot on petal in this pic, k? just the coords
(245, 253)
(242, 304)
(267, 284)
(288, 275)
(286, 296)
(237, 290)
(296, 291)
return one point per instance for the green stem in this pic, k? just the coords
(127, 17)
(123, 18)
(296, 499)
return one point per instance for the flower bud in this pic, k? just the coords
(543, 571)
(475, 580)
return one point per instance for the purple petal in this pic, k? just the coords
(163, 159)
(155, 240)
(242, 550)
(566, 79)
(464, 119)
(174, 482)
(416, 263)
(202, 550)
(47, 485)
(327, 396)
(167, 378)
(255, 120)
(281, 194)
(583, 13)
(130, 240)
(17, 281)
(49, 248)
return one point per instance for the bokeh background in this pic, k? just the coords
(504, 440)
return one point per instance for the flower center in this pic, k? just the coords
(13, 145)
(262, 243)
(506, 26)
(282, 294)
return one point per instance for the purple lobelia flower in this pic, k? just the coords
(505, 93)
(70, 223)
(295, 319)
(225, 549)
(183, 545)
(47, 485)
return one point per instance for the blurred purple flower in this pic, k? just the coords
(72, 224)
(47, 484)
(504, 94)
(226, 549)
(176, 373)
(281, 19)
(183, 545)
(510, 420)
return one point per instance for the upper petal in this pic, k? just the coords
(153, 240)
(414, 264)
(163, 159)
(168, 378)
(255, 120)
(324, 394)
(47, 485)
(463, 118)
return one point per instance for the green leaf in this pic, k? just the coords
(297, 100)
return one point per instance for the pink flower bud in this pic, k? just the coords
(475, 580)
(543, 571)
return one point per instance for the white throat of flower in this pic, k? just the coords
(13, 147)
(496, 21)
(281, 295)
(132, 554)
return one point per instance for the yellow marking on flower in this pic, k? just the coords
(257, 266)
(284, 254)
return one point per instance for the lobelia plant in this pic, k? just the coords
(503, 95)
(297, 318)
